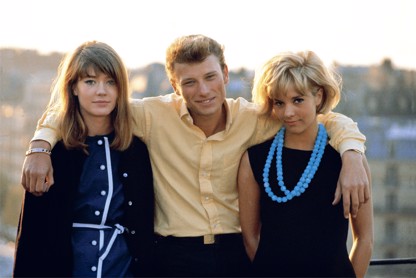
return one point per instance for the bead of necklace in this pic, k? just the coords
(308, 173)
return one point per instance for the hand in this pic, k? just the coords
(353, 183)
(37, 172)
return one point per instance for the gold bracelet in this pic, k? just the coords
(38, 150)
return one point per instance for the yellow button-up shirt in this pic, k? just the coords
(195, 177)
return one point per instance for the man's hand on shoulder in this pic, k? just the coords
(353, 183)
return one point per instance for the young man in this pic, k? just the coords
(196, 137)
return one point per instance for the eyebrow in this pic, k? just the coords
(211, 72)
(205, 74)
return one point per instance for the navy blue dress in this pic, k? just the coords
(96, 220)
(306, 236)
(99, 250)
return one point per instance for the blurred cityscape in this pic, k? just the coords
(380, 98)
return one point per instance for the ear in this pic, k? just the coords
(174, 86)
(225, 74)
(319, 97)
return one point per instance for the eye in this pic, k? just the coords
(211, 76)
(277, 103)
(89, 81)
(188, 83)
(298, 100)
(111, 82)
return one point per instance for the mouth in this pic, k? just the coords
(101, 104)
(290, 123)
(206, 101)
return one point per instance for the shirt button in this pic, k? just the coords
(102, 167)
(133, 232)
(94, 242)
(100, 142)
(97, 212)
(125, 175)
(130, 203)
(103, 193)
(94, 268)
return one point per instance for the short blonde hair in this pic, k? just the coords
(302, 71)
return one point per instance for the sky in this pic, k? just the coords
(349, 32)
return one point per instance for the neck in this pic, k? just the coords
(211, 124)
(301, 141)
(101, 126)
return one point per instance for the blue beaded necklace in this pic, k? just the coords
(308, 174)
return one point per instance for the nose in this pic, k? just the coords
(101, 89)
(289, 111)
(203, 88)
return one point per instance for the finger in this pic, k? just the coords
(337, 195)
(50, 179)
(361, 194)
(32, 183)
(346, 204)
(37, 194)
(355, 204)
(23, 180)
(366, 193)
(45, 186)
(40, 184)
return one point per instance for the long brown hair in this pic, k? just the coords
(75, 65)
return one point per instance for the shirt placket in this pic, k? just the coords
(206, 187)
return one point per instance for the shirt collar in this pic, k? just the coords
(184, 114)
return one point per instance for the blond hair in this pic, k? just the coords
(302, 71)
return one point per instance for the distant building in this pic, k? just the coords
(391, 150)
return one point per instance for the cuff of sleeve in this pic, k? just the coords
(48, 135)
(351, 145)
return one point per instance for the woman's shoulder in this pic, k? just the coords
(261, 147)
(59, 149)
(136, 141)
(136, 146)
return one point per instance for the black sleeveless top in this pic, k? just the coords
(306, 236)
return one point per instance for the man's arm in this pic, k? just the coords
(353, 181)
(37, 172)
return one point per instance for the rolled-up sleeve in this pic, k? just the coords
(343, 132)
(46, 128)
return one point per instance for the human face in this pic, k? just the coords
(202, 86)
(297, 111)
(97, 95)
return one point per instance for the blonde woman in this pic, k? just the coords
(286, 184)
